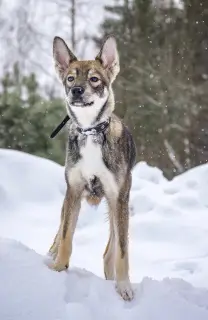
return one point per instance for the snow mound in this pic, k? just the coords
(167, 237)
(195, 181)
(32, 190)
(29, 290)
(27, 178)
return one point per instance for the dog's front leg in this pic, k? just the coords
(53, 251)
(121, 237)
(64, 237)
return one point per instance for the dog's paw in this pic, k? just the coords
(57, 265)
(125, 290)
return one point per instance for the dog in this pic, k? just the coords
(99, 158)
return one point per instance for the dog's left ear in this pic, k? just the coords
(108, 56)
(62, 56)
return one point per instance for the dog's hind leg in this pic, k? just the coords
(121, 237)
(70, 212)
(109, 254)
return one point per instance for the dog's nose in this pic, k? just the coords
(77, 91)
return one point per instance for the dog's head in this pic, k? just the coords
(87, 83)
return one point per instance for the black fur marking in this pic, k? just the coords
(65, 222)
(111, 155)
(102, 110)
(73, 149)
(107, 164)
(65, 227)
(119, 151)
(123, 215)
(130, 150)
(122, 242)
(99, 89)
(95, 187)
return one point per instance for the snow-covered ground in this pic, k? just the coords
(168, 246)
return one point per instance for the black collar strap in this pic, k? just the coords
(60, 126)
(100, 127)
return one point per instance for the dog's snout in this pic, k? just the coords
(77, 91)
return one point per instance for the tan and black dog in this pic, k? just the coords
(99, 159)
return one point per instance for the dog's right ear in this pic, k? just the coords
(108, 56)
(62, 56)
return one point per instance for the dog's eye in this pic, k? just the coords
(94, 79)
(70, 78)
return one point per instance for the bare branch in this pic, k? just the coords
(172, 156)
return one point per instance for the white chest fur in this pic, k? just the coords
(91, 164)
(87, 116)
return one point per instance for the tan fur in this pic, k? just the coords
(116, 128)
(109, 253)
(53, 251)
(93, 201)
(117, 247)
(54, 248)
(62, 245)
(91, 65)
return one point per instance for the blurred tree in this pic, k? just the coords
(196, 13)
(27, 119)
(155, 92)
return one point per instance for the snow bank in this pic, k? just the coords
(168, 225)
(29, 290)
(27, 178)
(168, 239)
(31, 195)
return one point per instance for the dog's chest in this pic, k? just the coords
(91, 162)
(91, 165)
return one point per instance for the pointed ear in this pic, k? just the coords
(108, 56)
(62, 56)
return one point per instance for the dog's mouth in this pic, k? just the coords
(82, 104)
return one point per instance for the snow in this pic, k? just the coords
(29, 290)
(168, 246)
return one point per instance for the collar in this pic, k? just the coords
(99, 128)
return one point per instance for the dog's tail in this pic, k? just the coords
(93, 200)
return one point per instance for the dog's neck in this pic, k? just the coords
(87, 117)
